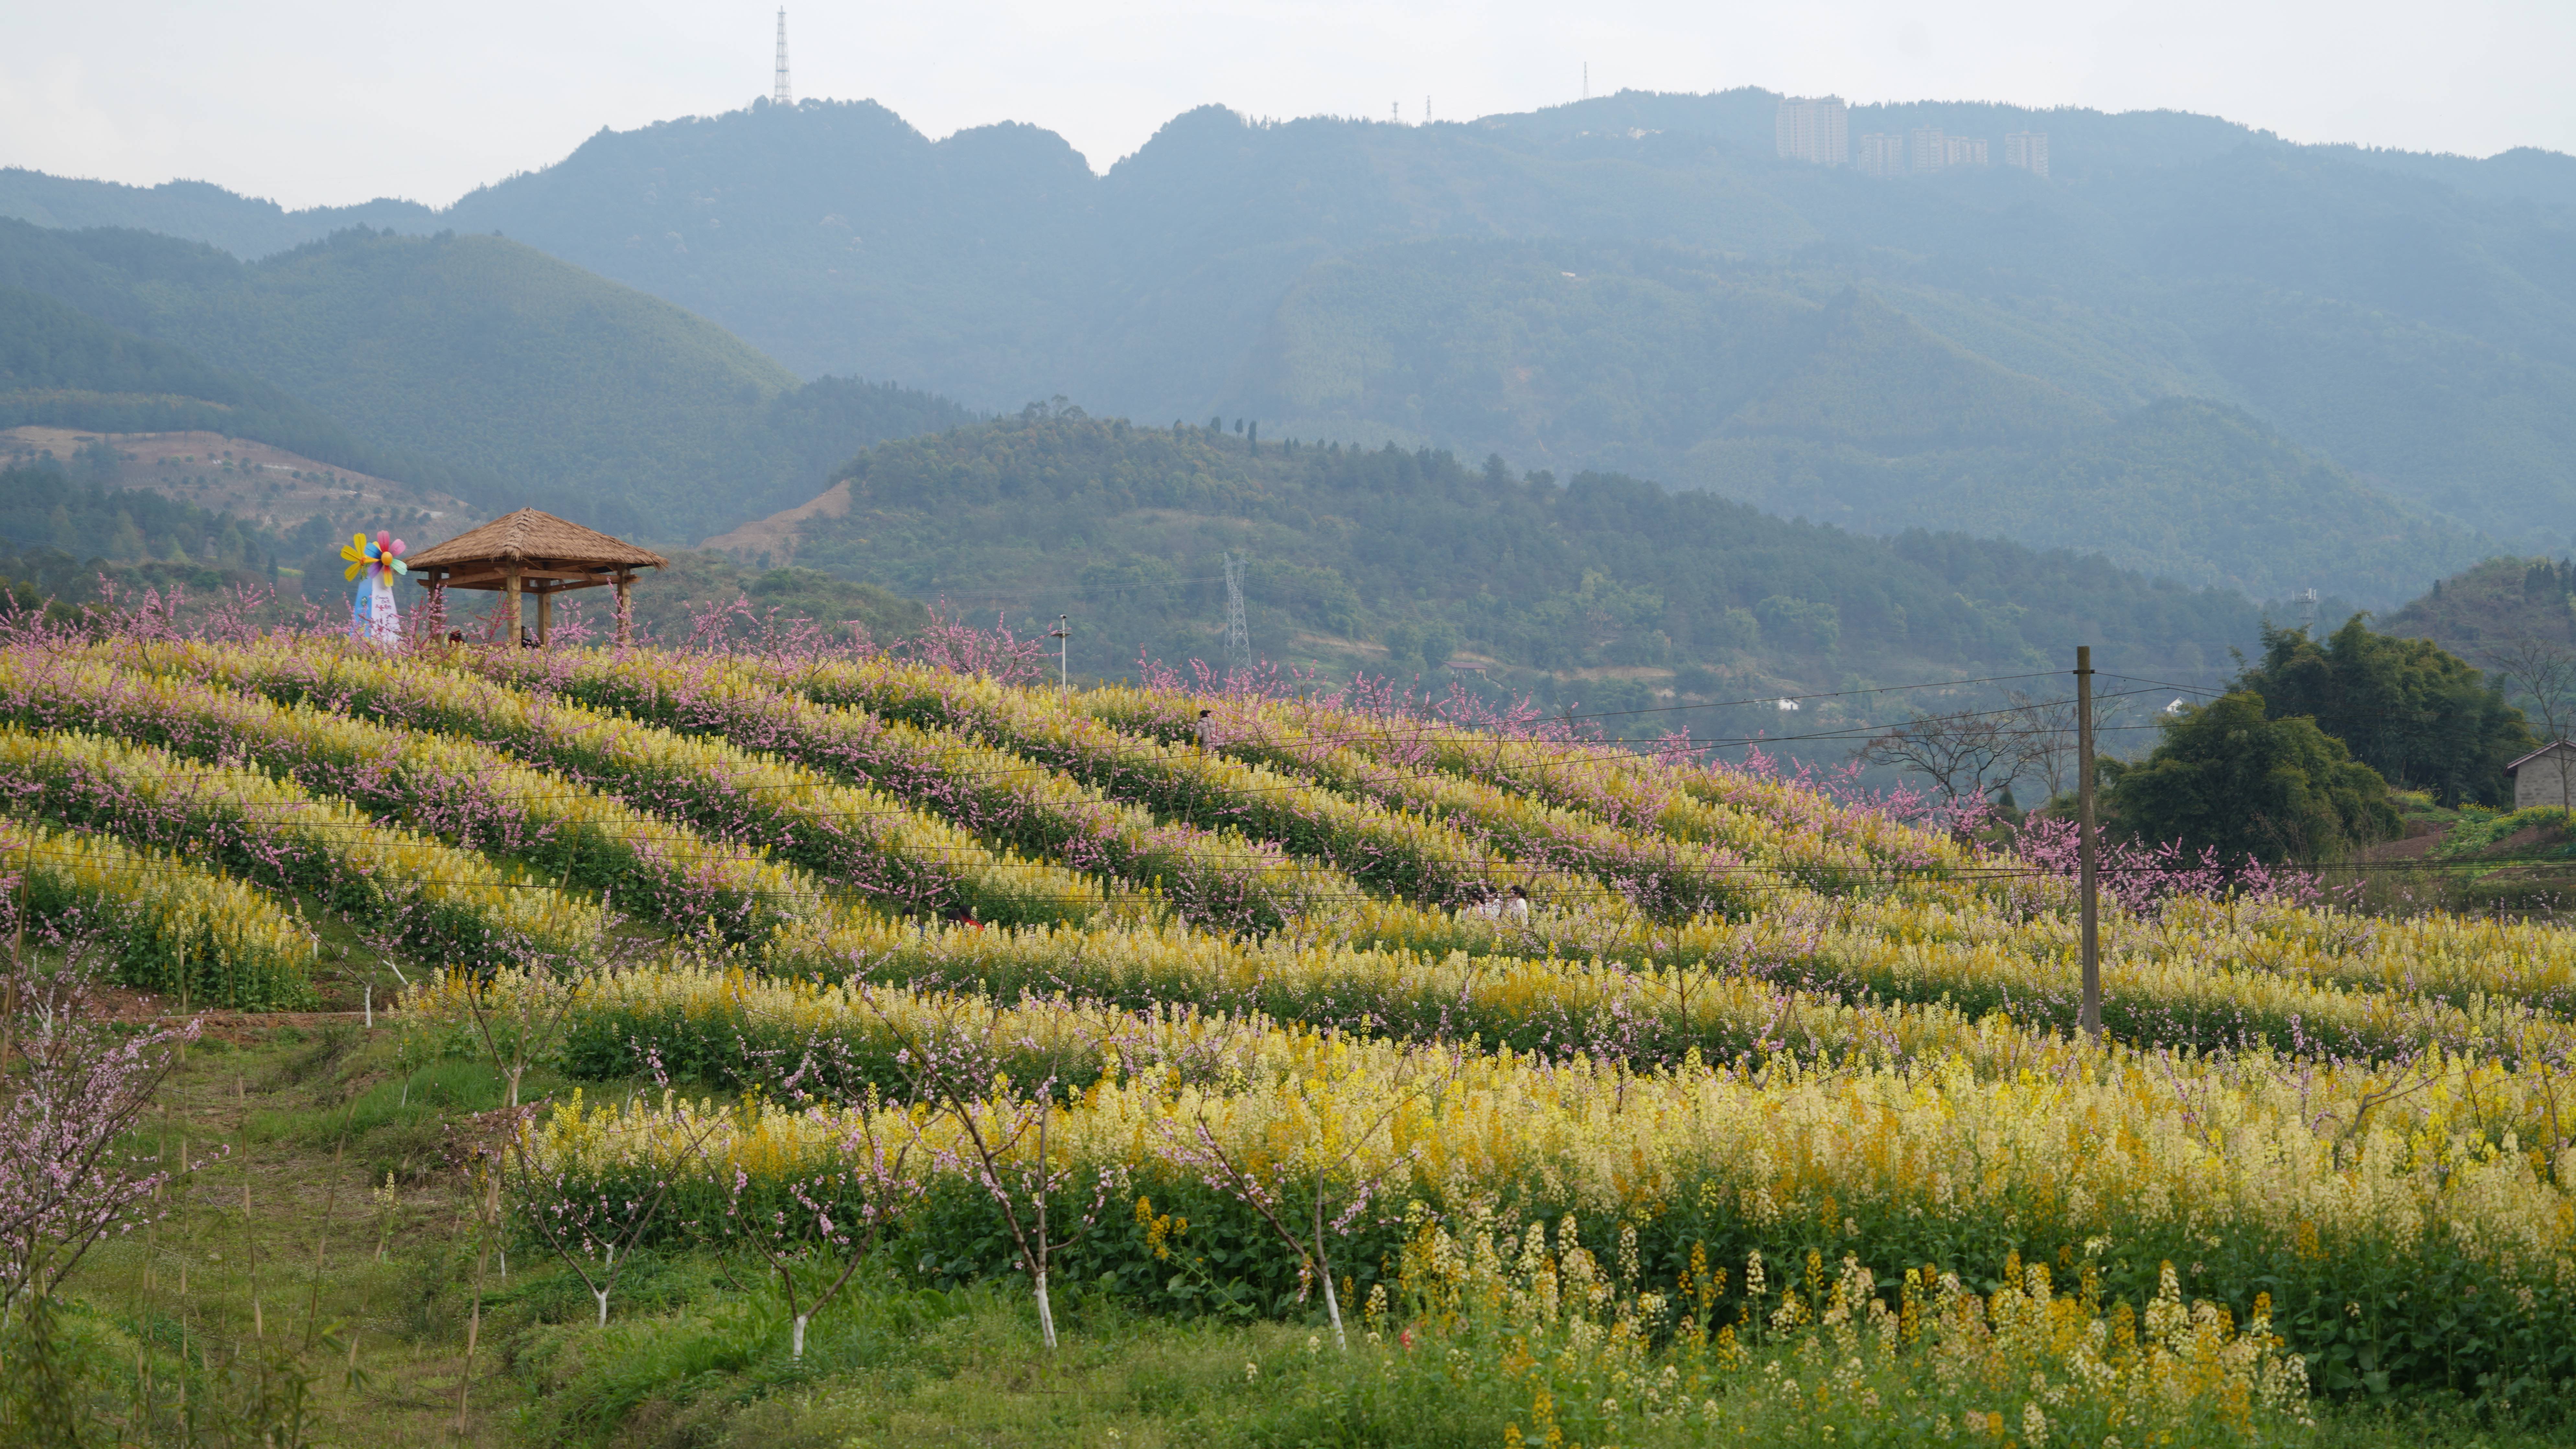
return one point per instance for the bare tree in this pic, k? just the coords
(958, 1069)
(583, 1220)
(2047, 731)
(1968, 756)
(2542, 675)
(73, 1093)
(1314, 1136)
(865, 1183)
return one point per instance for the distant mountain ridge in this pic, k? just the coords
(1630, 283)
(2084, 139)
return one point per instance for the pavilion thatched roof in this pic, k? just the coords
(532, 537)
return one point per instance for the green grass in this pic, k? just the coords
(2483, 834)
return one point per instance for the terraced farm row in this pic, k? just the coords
(871, 902)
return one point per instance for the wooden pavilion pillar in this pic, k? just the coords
(510, 586)
(545, 616)
(625, 618)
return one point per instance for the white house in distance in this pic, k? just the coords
(2546, 776)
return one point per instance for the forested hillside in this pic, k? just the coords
(468, 363)
(67, 537)
(2481, 610)
(61, 367)
(1604, 590)
(1839, 406)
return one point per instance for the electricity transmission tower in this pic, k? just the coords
(1238, 637)
(778, 93)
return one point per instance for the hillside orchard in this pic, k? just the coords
(740, 1043)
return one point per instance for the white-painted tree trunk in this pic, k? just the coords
(1046, 1311)
(608, 1271)
(796, 1348)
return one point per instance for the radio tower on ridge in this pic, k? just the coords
(778, 92)
(1238, 639)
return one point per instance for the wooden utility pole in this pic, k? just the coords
(2084, 844)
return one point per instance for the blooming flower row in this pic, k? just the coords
(1425, 848)
(1217, 877)
(854, 837)
(455, 788)
(446, 904)
(1575, 801)
(171, 925)
(1836, 995)
(2406, 1198)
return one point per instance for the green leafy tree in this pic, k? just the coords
(2418, 714)
(2227, 776)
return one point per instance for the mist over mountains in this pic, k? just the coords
(2205, 353)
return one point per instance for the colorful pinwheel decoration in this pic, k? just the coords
(373, 563)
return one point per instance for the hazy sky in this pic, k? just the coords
(311, 103)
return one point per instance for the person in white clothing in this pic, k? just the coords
(1516, 907)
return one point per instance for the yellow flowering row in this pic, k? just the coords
(168, 925)
(2475, 963)
(716, 1022)
(1586, 1348)
(1214, 876)
(451, 905)
(723, 1022)
(2480, 969)
(1523, 789)
(2341, 1188)
(455, 788)
(852, 836)
(1675, 875)
(1420, 857)
(2076, 1143)
(1274, 793)
(2192, 973)
(1647, 1002)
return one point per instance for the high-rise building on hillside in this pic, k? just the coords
(1881, 154)
(1815, 129)
(2027, 150)
(1928, 150)
(1961, 151)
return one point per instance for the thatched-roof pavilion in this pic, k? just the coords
(529, 552)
